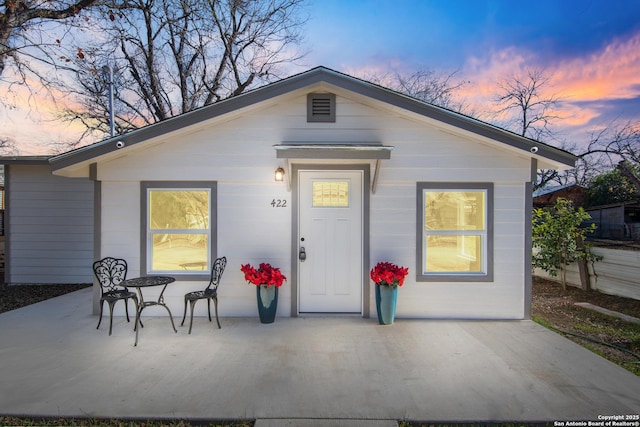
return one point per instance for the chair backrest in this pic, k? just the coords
(110, 272)
(216, 272)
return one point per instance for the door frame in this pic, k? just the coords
(295, 205)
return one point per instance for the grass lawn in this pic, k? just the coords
(612, 338)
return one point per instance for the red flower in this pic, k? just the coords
(386, 273)
(264, 275)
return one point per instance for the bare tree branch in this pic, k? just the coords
(17, 17)
(523, 98)
(173, 56)
(426, 85)
(8, 147)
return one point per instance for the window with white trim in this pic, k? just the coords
(455, 232)
(179, 228)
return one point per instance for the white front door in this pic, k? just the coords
(330, 231)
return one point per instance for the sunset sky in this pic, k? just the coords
(591, 48)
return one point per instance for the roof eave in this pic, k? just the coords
(308, 78)
(25, 160)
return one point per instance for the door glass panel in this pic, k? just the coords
(330, 194)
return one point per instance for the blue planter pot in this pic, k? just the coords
(267, 303)
(386, 299)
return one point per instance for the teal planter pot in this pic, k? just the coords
(267, 303)
(386, 299)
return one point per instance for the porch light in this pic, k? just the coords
(279, 174)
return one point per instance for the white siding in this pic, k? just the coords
(238, 154)
(50, 233)
(249, 230)
(393, 238)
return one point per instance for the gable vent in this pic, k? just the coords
(321, 107)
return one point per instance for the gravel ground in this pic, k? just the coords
(16, 296)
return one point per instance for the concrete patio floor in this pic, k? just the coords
(53, 362)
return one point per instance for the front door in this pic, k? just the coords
(330, 241)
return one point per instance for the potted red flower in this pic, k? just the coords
(267, 280)
(387, 277)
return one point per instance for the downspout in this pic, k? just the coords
(528, 240)
(97, 229)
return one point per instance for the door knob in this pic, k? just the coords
(302, 255)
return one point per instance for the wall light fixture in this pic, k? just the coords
(279, 174)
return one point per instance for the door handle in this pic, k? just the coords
(302, 255)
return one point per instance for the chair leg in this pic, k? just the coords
(100, 318)
(111, 304)
(185, 311)
(193, 303)
(135, 323)
(209, 308)
(126, 308)
(215, 304)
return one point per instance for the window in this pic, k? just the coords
(179, 225)
(455, 232)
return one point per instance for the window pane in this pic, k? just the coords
(184, 214)
(179, 209)
(330, 194)
(454, 210)
(453, 254)
(169, 251)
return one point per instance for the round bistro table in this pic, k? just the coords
(146, 282)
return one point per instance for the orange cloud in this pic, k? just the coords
(611, 73)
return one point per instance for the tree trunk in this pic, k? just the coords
(582, 267)
(563, 271)
(627, 172)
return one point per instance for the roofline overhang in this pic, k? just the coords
(25, 160)
(314, 76)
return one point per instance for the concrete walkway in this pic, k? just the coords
(53, 362)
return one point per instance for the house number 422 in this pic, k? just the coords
(278, 203)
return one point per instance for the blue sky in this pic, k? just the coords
(590, 48)
(445, 33)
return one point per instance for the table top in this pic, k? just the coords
(141, 282)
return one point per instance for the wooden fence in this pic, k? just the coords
(618, 273)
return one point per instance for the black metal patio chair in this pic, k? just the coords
(111, 272)
(209, 293)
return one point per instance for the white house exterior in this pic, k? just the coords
(370, 175)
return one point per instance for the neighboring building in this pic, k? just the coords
(369, 175)
(618, 221)
(547, 197)
(48, 223)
